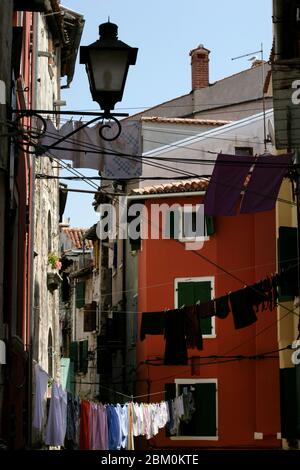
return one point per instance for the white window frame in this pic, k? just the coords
(181, 237)
(198, 438)
(210, 279)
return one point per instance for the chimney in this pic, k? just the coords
(200, 69)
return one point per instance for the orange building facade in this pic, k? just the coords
(237, 399)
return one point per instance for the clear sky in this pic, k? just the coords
(164, 32)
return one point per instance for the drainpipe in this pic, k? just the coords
(30, 326)
(124, 307)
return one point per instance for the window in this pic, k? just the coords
(190, 291)
(90, 317)
(287, 261)
(79, 356)
(182, 224)
(244, 151)
(80, 294)
(204, 421)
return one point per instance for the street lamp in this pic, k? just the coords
(107, 62)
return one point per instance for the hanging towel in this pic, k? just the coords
(152, 324)
(226, 183)
(242, 310)
(263, 188)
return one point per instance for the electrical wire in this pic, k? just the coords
(93, 148)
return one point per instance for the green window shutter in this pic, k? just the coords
(287, 257)
(189, 293)
(74, 355)
(80, 294)
(202, 292)
(72, 378)
(83, 356)
(209, 225)
(89, 319)
(205, 414)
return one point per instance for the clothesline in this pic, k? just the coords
(182, 327)
(92, 425)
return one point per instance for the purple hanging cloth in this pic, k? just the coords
(227, 179)
(265, 182)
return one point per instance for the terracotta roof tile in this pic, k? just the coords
(76, 237)
(195, 184)
(205, 122)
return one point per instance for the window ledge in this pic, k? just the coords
(193, 239)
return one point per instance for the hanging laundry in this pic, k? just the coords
(206, 309)
(193, 333)
(226, 183)
(222, 306)
(242, 310)
(188, 405)
(130, 439)
(256, 296)
(84, 436)
(41, 385)
(263, 188)
(128, 143)
(74, 148)
(175, 347)
(81, 146)
(122, 413)
(114, 430)
(73, 410)
(57, 418)
(177, 413)
(152, 324)
(103, 444)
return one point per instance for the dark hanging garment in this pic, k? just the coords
(222, 307)
(242, 310)
(73, 411)
(263, 188)
(175, 349)
(257, 296)
(206, 309)
(152, 324)
(193, 331)
(226, 183)
(267, 286)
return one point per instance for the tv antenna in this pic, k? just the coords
(261, 52)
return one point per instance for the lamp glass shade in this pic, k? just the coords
(109, 69)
